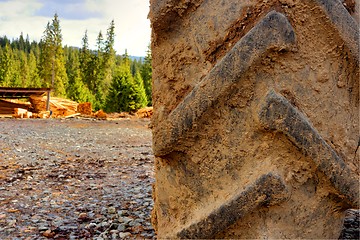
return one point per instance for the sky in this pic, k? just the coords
(132, 28)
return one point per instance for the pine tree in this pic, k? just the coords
(27, 44)
(22, 43)
(34, 78)
(126, 59)
(52, 58)
(4, 62)
(85, 59)
(135, 66)
(24, 68)
(126, 92)
(9, 72)
(140, 98)
(98, 73)
(146, 74)
(117, 99)
(109, 57)
(76, 90)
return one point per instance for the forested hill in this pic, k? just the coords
(109, 81)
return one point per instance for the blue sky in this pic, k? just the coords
(132, 28)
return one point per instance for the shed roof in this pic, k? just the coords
(8, 92)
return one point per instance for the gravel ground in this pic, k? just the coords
(75, 179)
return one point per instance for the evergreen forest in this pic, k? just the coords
(111, 82)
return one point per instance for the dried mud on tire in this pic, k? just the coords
(75, 179)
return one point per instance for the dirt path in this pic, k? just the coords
(75, 179)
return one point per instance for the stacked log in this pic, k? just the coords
(38, 103)
(8, 107)
(6, 110)
(59, 107)
(85, 108)
(68, 104)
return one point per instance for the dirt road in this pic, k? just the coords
(75, 179)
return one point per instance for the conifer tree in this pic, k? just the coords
(109, 57)
(126, 59)
(24, 68)
(34, 78)
(126, 92)
(3, 41)
(76, 90)
(146, 74)
(117, 98)
(9, 72)
(27, 44)
(140, 98)
(52, 58)
(85, 60)
(98, 73)
(4, 62)
(22, 43)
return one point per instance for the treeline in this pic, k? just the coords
(109, 81)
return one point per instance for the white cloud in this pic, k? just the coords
(132, 27)
(16, 8)
(17, 16)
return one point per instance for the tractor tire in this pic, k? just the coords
(256, 117)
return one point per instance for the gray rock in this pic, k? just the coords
(104, 224)
(124, 234)
(125, 220)
(91, 225)
(121, 227)
(43, 227)
(111, 210)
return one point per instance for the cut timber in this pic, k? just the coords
(60, 107)
(8, 107)
(73, 115)
(85, 108)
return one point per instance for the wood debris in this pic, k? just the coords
(73, 115)
(22, 113)
(100, 114)
(144, 112)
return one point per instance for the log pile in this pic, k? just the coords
(85, 108)
(59, 107)
(8, 107)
